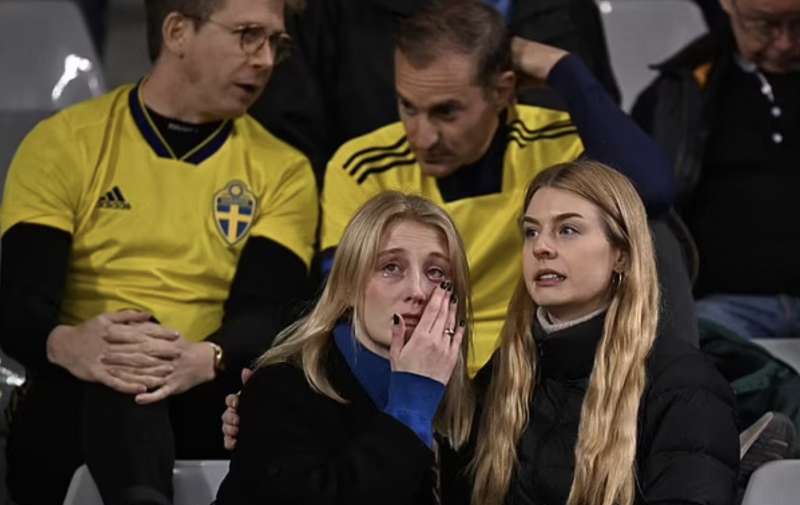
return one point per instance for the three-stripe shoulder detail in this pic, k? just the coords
(377, 159)
(523, 136)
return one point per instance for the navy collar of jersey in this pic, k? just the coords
(483, 177)
(371, 371)
(202, 152)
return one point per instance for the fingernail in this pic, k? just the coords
(443, 285)
(454, 298)
(395, 319)
(462, 323)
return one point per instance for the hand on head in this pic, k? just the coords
(533, 61)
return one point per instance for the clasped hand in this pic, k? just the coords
(130, 354)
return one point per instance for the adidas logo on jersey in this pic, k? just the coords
(113, 200)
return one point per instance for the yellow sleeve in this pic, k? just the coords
(290, 211)
(45, 179)
(341, 199)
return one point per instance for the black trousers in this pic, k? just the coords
(62, 422)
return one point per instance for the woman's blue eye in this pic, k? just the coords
(530, 232)
(569, 230)
(436, 273)
(391, 269)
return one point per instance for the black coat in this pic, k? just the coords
(675, 108)
(688, 450)
(300, 447)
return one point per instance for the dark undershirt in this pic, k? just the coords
(743, 214)
(182, 137)
(483, 177)
(268, 284)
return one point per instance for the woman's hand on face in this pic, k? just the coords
(433, 348)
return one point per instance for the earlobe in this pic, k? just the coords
(505, 87)
(620, 265)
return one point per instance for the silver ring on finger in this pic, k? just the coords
(449, 332)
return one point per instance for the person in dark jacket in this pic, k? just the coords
(344, 408)
(584, 403)
(727, 110)
(339, 83)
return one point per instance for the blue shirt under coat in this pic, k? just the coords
(410, 398)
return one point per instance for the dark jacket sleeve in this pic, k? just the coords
(572, 25)
(269, 282)
(32, 278)
(288, 452)
(611, 137)
(689, 450)
(267, 289)
(293, 106)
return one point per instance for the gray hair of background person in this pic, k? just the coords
(306, 342)
(465, 26)
(607, 434)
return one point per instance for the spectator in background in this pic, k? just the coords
(339, 81)
(95, 12)
(464, 144)
(152, 239)
(727, 108)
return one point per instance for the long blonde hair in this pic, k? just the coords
(605, 451)
(306, 342)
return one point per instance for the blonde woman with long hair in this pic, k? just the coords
(344, 408)
(583, 403)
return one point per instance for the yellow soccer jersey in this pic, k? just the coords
(150, 231)
(489, 224)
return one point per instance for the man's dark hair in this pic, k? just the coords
(158, 10)
(469, 27)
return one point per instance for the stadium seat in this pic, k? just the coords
(641, 33)
(785, 349)
(775, 483)
(48, 62)
(194, 483)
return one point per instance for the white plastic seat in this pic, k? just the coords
(47, 62)
(775, 483)
(641, 33)
(785, 349)
(194, 483)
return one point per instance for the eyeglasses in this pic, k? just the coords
(768, 30)
(253, 37)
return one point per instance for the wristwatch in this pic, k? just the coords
(219, 365)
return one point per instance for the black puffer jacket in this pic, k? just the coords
(688, 449)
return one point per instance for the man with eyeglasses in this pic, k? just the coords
(727, 107)
(153, 242)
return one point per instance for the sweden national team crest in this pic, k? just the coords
(234, 209)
